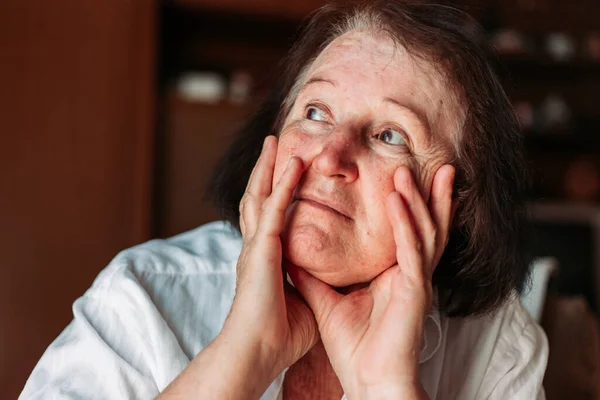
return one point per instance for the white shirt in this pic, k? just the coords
(159, 304)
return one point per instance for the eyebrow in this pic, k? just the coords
(314, 80)
(416, 113)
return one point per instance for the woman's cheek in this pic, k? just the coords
(290, 144)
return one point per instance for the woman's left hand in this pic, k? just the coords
(374, 336)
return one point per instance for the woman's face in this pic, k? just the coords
(364, 109)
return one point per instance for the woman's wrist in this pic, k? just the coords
(231, 367)
(250, 358)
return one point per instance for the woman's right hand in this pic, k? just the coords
(267, 314)
(269, 327)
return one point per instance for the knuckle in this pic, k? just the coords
(419, 246)
(433, 231)
(244, 203)
(266, 205)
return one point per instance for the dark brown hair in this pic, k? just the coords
(484, 262)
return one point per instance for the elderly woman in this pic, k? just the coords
(381, 239)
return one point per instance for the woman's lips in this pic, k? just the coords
(321, 205)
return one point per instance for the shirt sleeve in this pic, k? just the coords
(106, 352)
(517, 369)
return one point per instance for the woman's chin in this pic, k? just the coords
(323, 262)
(329, 257)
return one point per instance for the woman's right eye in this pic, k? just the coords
(315, 114)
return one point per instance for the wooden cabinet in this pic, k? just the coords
(77, 122)
(196, 136)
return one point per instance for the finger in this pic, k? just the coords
(408, 245)
(257, 183)
(419, 212)
(304, 319)
(320, 296)
(441, 207)
(273, 209)
(259, 186)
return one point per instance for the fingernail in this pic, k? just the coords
(265, 143)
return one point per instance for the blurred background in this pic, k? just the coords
(112, 114)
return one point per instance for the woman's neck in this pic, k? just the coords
(312, 377)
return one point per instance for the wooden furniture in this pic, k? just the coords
(197, 136)
(76, 154)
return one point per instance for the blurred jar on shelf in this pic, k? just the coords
(553, 115)
(510, 41)
(592, 46)
(240, 87)
(202, 87)
(560, 46)
(581, 181)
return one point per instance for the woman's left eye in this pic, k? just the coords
(315, 114)
(391, 136)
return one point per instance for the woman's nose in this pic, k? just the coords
(337, 159)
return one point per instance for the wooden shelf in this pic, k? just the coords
(543, 67)
(564, 142)
(558, 211)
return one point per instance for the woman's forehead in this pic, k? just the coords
(375, 65)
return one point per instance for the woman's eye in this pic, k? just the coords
(392, 137)
(315, 114)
